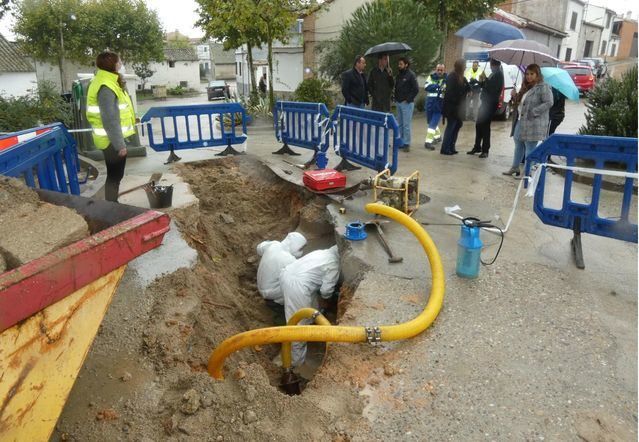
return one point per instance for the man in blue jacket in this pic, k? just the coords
(354, 86)
(406, 90)
(435, 87)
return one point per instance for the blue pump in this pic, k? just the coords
(469, 249)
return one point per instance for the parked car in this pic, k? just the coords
(582, 76)
(218, 89)
(600, 68)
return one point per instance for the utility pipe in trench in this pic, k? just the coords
(328, 333)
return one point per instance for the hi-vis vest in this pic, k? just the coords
(470, 74)
(435, 87)
(127, 116)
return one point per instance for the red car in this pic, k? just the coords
(582, 76)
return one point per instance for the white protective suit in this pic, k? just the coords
(301, 281)
(275, 256)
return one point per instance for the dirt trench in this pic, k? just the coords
(241, 203)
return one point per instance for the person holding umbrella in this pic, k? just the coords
(435, 86)
(380, 84)
(406, 89)
(530, 121)
(490, 91)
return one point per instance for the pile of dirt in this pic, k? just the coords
(157, 386)
(241, 203)
(30, 228)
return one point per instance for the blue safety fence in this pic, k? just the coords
(173, 128)
(305, 125)
(48, 160)
(603, 153)
(368, 138)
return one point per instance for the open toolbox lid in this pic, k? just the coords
(119, 234)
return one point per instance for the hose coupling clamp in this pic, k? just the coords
(373, 335)
(316, 315)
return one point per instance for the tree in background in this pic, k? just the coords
(611, 109)
(143, 71)
(127, 27)
(276, 20)
(454, 14)
(5, 5)
(250, 22)
(57, 30)
(233, 23)
(378, 22)
(52, 31)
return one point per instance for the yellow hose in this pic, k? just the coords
(302, 313)
(326, 333)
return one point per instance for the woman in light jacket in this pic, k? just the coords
(530, 121)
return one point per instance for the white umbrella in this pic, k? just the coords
(522, 53)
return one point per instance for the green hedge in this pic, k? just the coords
(43, 105)
(315, 90)
(612, 107)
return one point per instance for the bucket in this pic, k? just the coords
(159, 197)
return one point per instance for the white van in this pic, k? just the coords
(513, 78)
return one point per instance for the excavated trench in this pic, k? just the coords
(241, 203)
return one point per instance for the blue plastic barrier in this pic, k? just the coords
(173, 128)
(48, 161)
(605, 153)
(363, 137)
(303, 125)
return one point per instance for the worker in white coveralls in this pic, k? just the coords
(302, 281)
(275, 256)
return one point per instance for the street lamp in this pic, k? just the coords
(62, 79)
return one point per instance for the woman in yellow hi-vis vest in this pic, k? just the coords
(111, 115)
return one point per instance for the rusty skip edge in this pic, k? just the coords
(35, 285)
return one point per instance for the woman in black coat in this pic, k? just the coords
(454, 99)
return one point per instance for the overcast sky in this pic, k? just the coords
(181, 14)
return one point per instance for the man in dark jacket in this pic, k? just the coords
(354, 86)
(406, 90)
(490, 93)
(380, 84)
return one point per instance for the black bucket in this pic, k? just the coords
(160, 197)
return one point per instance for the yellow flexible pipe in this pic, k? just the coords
(302, 313)
(325, 333)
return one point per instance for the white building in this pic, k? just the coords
(325, 22)
(181, 67)
(603, 17)
(223, 62)
(287, 64)
(203, 51)
(17, 75)
(574, 19)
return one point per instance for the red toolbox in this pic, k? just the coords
(324, 179)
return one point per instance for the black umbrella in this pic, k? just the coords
(389, 48)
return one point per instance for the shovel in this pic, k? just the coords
(154, 179)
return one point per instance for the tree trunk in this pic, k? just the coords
(249, 47)
(443, 28)
(62, 79)
(270, 67)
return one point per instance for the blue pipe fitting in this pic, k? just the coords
(355, 231)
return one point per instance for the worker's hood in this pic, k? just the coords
(294, 243)
(261, 247)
